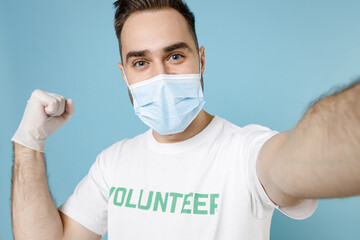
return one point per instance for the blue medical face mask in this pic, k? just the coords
(168, 103)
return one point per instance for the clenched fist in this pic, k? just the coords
(44, 114)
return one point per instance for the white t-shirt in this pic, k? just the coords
(205, 187)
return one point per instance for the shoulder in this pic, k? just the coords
(256, 132)
(249, 132)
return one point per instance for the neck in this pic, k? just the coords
(197, 125)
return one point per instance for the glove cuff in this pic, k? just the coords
(26, 140)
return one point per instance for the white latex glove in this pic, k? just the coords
(44, 114)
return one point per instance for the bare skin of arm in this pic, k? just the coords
(319, 157)
(33, 211)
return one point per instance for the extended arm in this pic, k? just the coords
(319, 157)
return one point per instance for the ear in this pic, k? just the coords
(121, 66)
(202, 59)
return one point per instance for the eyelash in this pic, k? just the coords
(174, 54)
(134, 64)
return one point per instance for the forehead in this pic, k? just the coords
(154, 29)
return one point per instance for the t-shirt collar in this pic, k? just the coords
(183, 146)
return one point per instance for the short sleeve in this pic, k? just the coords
(88, 203)
(255, 137)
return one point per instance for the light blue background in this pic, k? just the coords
(265, 62)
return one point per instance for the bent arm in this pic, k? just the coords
(319, 157)
(33, 211)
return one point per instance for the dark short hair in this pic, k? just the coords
(124, 8)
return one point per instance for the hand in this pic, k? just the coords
(44, 114)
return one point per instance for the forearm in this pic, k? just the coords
(34, 214)
(321, 157)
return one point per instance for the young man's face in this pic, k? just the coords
(157, 42)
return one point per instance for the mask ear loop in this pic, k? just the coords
(200, 63)
(126, 81)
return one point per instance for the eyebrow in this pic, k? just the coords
(177, 46)
(167, 49)
(137, 54)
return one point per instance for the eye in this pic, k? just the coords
(176, 57)
(139, 64)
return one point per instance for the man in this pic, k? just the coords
(192, 175)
